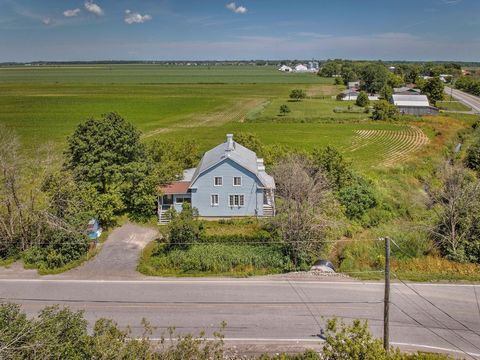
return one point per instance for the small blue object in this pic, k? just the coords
(93, 229)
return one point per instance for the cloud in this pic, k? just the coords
(47, 21)
(236, 9)
(93, 8)
(71, 12)
(451, 2)
(136, 18)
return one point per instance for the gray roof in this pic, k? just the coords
(188, 174)
(410, 100)
(239, 154)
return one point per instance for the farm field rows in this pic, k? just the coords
(44, 104)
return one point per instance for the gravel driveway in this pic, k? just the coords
(118, 256)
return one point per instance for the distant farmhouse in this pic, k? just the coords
(230, 181)
(285, 68)
(351, 94)
(310, 67)
(413, 104)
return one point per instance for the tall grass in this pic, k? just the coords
(215, 259)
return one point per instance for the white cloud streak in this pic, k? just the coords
(236, 9)
(90, 6)
(136, 18)
(47, 21)
(71, 12)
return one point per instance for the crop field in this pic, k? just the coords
(155, 74)
(44, 104)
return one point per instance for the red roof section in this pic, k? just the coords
(177, 187)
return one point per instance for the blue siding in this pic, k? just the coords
(204, 187)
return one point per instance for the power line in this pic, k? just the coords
(191, 302)
(307, 306)
(240, 242)
(433, 332)
(434, 305)
(476, 298)
(439, 322)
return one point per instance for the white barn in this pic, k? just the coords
(413, 105)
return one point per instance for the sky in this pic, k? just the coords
(69, 30)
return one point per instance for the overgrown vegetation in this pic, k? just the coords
(468, 84)
(30, 221)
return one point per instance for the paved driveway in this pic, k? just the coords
(119, 255)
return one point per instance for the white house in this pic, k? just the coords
(352, 95)
(229, 181)
(285, 68)
(301, 68)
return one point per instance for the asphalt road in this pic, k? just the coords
(468, 99)
(268, 311)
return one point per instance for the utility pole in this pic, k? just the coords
(386, 301)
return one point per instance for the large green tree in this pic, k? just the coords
(107, 154)
(434, 89)
(374, 77)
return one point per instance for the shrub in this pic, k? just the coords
(57, 249)
(284, 109)
(362, 99)
(472, 160)
(357, 198)
(184, 228)
(298, 94)
(383, 110)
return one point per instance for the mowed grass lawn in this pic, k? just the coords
(312, 110)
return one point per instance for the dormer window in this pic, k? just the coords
(218, 181)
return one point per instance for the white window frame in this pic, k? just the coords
(215, 181)
(179, 197)
(237, 177)
(239, 205)
(211, 200)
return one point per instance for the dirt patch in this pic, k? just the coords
(321, 90)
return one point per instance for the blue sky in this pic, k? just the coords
(246, 29)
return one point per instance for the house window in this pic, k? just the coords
(214, 199)
(236, 200)
(181, 200)
(218, 181)
(237, 181)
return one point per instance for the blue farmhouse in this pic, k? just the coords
(230, 181)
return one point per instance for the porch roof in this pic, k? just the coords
(177, 187)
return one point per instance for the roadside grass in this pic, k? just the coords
(7, 262)
(427, 269)
(452, 106)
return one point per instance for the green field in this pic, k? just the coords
(44, 104)
(452, 106)
(154, 74)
